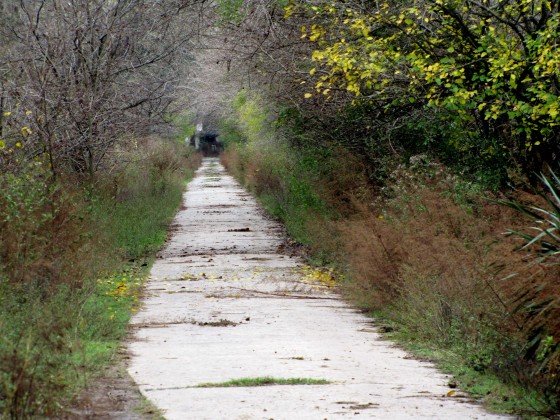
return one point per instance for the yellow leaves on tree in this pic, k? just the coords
(496, 63)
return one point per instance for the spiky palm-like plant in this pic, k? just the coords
(540, 301)
(546, 232)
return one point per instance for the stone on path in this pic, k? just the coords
(223, 304)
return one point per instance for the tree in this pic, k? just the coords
(493, 66)
(85, 75)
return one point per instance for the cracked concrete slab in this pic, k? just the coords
(223, 304)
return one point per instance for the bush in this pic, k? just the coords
(45, 236)
(36, 344)
(133, 200)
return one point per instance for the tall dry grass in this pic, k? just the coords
(432, 265)
(446, 273)
(46, 235)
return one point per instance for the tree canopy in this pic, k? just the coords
(492, 66)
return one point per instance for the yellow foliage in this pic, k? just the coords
(319, 276)
(425, 50)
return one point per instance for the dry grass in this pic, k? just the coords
(427, 234)
(233, 163)
(448, 274)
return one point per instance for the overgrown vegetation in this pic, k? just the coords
(421, 247)
(376, 131)
(86, 187)
(491, 68)
(74, 253)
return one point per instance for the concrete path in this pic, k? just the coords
(223, 304)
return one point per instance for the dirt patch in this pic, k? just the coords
(293, 248)
(220, 323)
(363, 406)
(112, 395)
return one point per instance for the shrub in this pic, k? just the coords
(146, 183)
(45, 235)
(538, 298)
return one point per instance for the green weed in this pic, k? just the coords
(264, 381)
(485, 386)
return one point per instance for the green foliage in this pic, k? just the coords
(36, 339)
(284, 179)
(253, 117)
(248, 121)
(34, 248)
(51, 345)
(538, 301)
(230, 133)
(488, 387)
(136, 203)
(476, 63)
(547, 220)
(185, 124)
(231, 11)
(288, 193)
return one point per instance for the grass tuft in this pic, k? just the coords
(263, 381)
